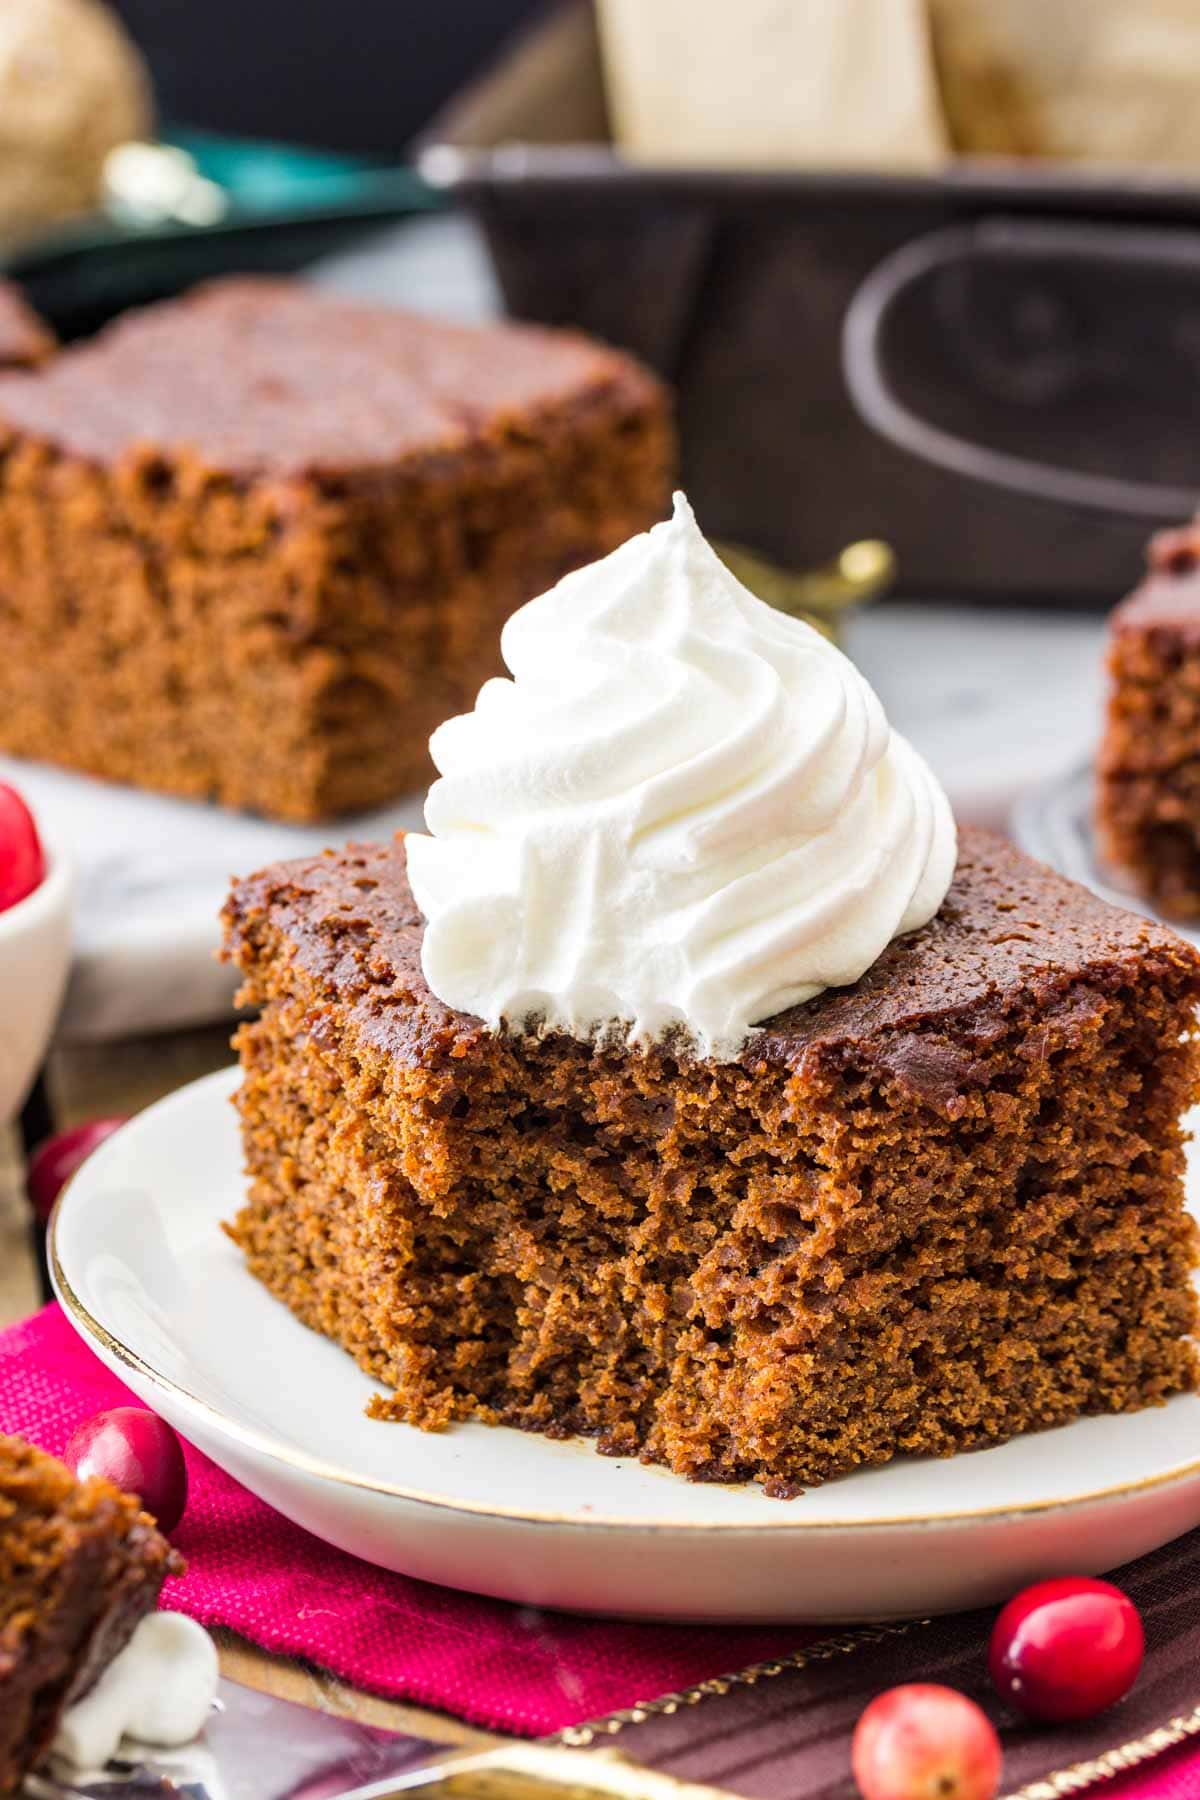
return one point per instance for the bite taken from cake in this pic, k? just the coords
(691, 1088)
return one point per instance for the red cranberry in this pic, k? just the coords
(139, 1453)
(1066, 1649)
(922, 1740)
(22, 862)
(54, 1162)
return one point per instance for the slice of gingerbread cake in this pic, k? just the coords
(1148, 768)
(258, 541)
(80, 1565)
(927, 1212)
(709, 1102)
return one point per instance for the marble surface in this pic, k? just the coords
(152, 877)
(999, 700)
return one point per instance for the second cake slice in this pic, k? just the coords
(256, 543)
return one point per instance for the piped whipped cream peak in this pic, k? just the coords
(685, 811)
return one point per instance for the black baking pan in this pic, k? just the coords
(1025, 367)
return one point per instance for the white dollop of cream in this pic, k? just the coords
(159, 1690)
(685, 810)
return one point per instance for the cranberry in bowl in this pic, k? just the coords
(36, 886)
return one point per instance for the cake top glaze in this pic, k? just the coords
(1010, 934)
(266, 377)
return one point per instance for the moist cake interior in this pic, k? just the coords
(921, 1214)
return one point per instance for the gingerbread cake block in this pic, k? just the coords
(1148, 789)
(926, 1212)
(80, 1565)
(255, 544)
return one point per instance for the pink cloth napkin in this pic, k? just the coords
(1173, 1777)
(497, 1665)
(250, 1569)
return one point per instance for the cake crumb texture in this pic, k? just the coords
(258, 542)
(80, 1564)
(924, 1213)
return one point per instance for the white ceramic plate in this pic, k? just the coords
(161, 1296)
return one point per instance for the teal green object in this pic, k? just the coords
(284, 207)
(261, 176)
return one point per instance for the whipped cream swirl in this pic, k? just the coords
(158, 1690)
(686, 811)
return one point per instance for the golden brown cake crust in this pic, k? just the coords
(257, 543)
(1011, 933)
(926, 1212)
(255, 377)
(80, 1564)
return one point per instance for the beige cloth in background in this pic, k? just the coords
(1114, 81)
(896, 84)
(773, 83)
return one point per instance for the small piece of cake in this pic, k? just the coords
(926, 1211)
(24, 340)
(256, 543)
(1148, 798)
(80, 1565)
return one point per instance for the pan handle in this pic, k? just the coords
(1002, 240)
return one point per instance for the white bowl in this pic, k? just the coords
(35, 959)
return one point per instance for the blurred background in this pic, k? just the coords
(940, 250)
(366, 76)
